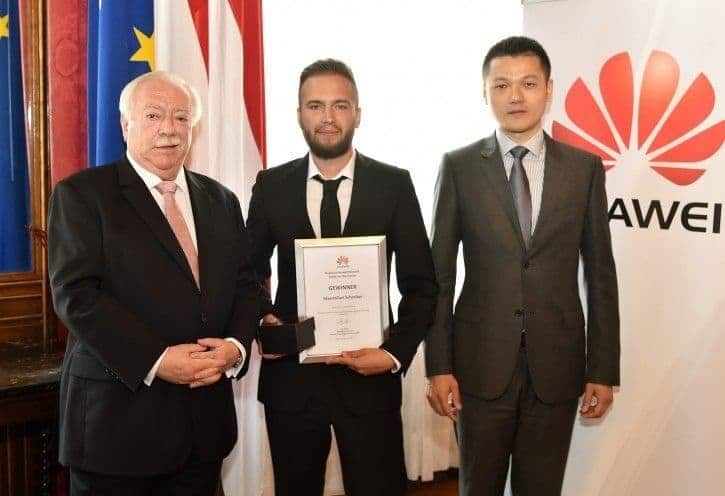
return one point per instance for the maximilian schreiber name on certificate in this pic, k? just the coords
(343, 284)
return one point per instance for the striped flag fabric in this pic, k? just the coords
(217, 47)
(15, 253)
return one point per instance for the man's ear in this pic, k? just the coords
(124, 128)
(549, 90)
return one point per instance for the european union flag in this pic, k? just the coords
(120, 48)
(14, 187)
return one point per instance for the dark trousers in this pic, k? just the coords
(370, 447)
(194, 478)
(516, 426)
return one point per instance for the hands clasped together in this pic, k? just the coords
(198, 364)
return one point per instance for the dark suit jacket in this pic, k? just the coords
(124, 289)
(508, 289)
(383, 202)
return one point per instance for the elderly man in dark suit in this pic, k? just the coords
(513, 357)
(150, 271)
(335, 191)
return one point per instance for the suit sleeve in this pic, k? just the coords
(76, 267)
(445, 238)
(601, 287)
(415, 275)
(251, 295)
(260, 236)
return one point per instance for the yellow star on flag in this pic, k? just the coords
(4, 29)
(145, 53)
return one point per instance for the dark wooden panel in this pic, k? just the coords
(28, 418)
(21, 310)
(4, 490)
(28, 454)
(16, 459)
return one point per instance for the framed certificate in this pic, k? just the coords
(343, 284)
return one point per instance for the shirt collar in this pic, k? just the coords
(348, 171)
(535, 144)
(151, 180)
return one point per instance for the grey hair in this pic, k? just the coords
(124, 101)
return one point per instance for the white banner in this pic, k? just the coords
(642, 83)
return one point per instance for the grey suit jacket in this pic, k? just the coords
(508, 289)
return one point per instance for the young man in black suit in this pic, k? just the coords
(359, 393)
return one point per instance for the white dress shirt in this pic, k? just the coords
(533, 163)
(183, 201)
(344, 193)
(315, 191)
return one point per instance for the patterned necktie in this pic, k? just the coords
(330, 224)
(520, 190)
(178, 225)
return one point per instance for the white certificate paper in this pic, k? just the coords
(343, 284)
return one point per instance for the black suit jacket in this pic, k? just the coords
(124, 289)
(383, 202)
(508, 288)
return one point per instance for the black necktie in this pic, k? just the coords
(330, 225)
(522, 195)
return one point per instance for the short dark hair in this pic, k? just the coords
(517, 45)
(327, 66)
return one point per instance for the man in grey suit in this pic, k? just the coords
(511, 360)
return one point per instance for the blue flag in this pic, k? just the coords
(14, 186)
(120, 48)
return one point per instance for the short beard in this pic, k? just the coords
(329, 152)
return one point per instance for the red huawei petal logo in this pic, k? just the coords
(664, 137)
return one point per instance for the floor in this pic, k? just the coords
(445, 484)
(442, 488)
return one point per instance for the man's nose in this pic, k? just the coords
(166, 126)
(327, 115)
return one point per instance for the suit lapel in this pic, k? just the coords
(298, 198)
(553, 194)
(495, 172)
(362, 182)
(204, 226)
(136, 193)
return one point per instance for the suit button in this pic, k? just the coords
(527, 265)
(518, 312)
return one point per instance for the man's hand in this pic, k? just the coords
(367, 361)
(220, 353)
(597, 399)
(180, 367)
(270, 319)
(444, 396)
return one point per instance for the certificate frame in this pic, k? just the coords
(346, 280)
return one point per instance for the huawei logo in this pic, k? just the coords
(666, 135)
(342, 261)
